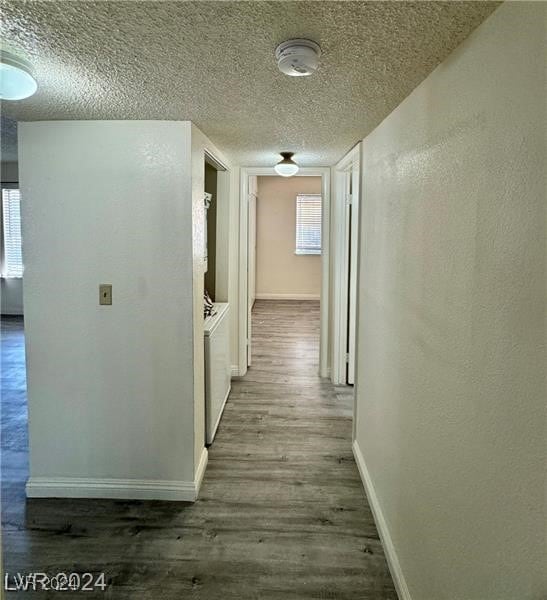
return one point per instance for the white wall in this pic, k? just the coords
(279, 271)
(110, 388)
(451, 373)
(12, 296)
(11, 290)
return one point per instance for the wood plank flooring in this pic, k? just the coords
(281, 514)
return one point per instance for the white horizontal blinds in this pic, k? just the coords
(308, 224)
(11, 209)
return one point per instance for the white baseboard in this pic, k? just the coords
(288, 297)
(200, 472)
(389, 549)
(239, 373)
(119, 489)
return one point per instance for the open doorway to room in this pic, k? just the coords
(13, 397)
(216, 326)
(285, 256)
(284, 271)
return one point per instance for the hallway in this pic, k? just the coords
(363, 181)
(281, 514)
(283, 464)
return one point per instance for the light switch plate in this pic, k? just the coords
(105, 293)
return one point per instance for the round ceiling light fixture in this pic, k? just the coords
(298, 58)
(286, 167)
(16, 78)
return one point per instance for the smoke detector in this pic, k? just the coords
(298, 58)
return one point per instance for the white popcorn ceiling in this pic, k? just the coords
(213, 63)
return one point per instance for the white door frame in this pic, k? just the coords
(349, 166)
(324, 173)
(251, 254)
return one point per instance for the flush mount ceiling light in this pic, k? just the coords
(286, 167)
(298, 58)
(16, 79)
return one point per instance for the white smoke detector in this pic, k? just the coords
(298, 58)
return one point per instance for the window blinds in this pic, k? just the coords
(11, 209)
(308, 224)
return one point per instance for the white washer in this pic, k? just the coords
(218, 372)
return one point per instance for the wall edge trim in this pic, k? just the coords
(200, 471)
(119, 489)
(385, 537)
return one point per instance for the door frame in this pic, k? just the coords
(349, 166)
(222, 230)
(324, 173)
(251, 252)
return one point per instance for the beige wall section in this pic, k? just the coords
(279, 271)
(451, 375)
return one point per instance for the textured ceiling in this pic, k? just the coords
(213, 63)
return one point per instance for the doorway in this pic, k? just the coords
(248, 260)
(345, 266)
(216, 308)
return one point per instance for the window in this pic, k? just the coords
(308, 224)
(11, 210)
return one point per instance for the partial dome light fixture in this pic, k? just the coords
(298, 58)
(286, 167)
(16, 77)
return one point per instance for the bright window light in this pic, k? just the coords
(308, 224)
(11, 212)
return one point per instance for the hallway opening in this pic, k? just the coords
(284, 248)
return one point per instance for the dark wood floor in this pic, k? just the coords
(281, 513)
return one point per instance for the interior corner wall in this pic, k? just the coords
(280, 273)
(110, 390)
(11, 290)
(451, 422)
